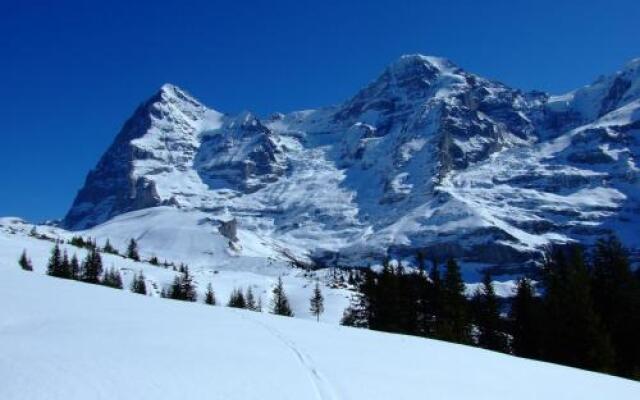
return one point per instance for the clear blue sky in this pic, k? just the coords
(72, 72)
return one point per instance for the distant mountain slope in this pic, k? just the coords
(198, 245)
(427, 156)
(68, 340)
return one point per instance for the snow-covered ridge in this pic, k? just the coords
(427, 156)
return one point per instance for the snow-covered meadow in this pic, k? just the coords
(68, 340)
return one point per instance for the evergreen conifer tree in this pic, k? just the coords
(25, 262)
(132, 250)
(279, 301)
(75, 270)
(108, 248)
(188, 287)
(616, 295)
(316, 302)
(453, 322)
(250, 299)
(55, 261)
(112, 278)
(77, 241)
(138, 285)
(385, 312)
(236, 299)
(183, 288)
(210, 297)
(92, 267)
(574, 334)
(526, 321)
(65, 267)
(487, 317)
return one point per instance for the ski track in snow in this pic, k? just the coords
(322, 387)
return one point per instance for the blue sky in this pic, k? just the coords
(71, 72)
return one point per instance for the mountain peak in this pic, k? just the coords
(169, 92)
(438, 62)
(411, 63)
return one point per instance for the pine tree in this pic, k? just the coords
(188, 287)
(65, 267)
(432, 306)
(316, 302)
(75, 270)
(487, 317)
(132, 250)
(78, 241)
(574, 334)
(112, 278)
(453, 322)
(362, 307)
(250, 300)
(138, 285)
(384, 316)
(108, 248)
(183, 288)
(236, 299)
(154, 261)
(279, 301)
(616, 295)
(55, 261)
(210, 297)
(407, 300)
(526, 320)
(356, 315)
(25, 262)
(92, 267)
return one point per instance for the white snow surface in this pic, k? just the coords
(203, 251)
(69, 340)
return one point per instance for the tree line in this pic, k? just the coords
(584, 310)
(183, 288)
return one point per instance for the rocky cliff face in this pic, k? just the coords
(426, 156)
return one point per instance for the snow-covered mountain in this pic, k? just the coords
(427, 156)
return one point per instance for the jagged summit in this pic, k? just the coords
(427, 156)
(409, 61)
(606, 94)
(169, 92)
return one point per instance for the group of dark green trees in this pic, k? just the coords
(247, 300)
(182, 287)
(583, 311)
(90, 270)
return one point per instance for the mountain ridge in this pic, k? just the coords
(427, 156)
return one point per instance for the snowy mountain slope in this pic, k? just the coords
(427, 156)
(68, 340)
(205, 252)
(150, 160)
